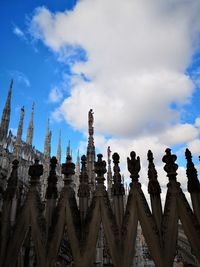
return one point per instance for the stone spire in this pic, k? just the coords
(59, 149)
(154, 190)
(51, 192)
(68, 171)
(19, 135)
(117, 191)
(84, 189)
(29, 137)
(47, 144)
(68, 152)
(6, 115)
(109, 172)
(47, 156)
(78, 165)
(91, 150)
(193, 184)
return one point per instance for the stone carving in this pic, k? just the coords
(153, 185)
(35, 171)
(61, 219)
(193, 182)
(84, 189)
(134, 166)
(68, 170)
(170, 165)
(52, 191)
(100, 169)
(117, 188)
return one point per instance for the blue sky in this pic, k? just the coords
(136, 63)
(34, 70)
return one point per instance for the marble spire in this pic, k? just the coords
(6, 115)
(29, 137)
(109, 172)
(59, 149)
(78, 169)
(91, 150)
(18, 142)
(47, 143)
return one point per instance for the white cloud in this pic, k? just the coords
(17, 31)
(137, 56)
(179, 134)
(55, 95)
(56, 116)
(20, 77)
(194, 147)
(197, 122)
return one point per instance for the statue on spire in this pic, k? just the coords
(109, 172)
(109, 153)
(91, 150)
(90, 121)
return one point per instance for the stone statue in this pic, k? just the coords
(90, 118)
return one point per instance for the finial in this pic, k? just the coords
(68, 170)
(117, 188)
(170, 165)
(83, 163)
(52, 192)
(134, 166)
(153, 185)
(193, 182)
(152, 173)
(150, 156)
(116, 168)
(35, 171)
(100, 169)
(84, 189)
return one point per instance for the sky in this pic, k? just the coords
(136, 63)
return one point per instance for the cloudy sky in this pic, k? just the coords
(136, 63)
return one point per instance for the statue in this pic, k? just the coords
(109, 153)
(90, 118)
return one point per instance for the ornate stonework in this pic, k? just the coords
(67, 223)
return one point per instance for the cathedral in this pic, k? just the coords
(55, 214)
(13, 147)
